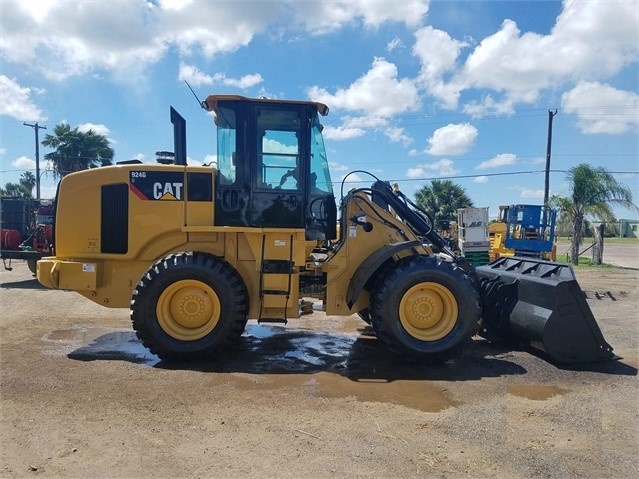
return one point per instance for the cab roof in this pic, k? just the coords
(211, 102)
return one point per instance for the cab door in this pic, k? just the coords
(280, 139)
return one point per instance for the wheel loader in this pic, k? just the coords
(196, 251)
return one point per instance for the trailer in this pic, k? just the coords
(26, 231)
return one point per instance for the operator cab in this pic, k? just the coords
(272, 165)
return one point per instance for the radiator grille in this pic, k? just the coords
(115, 219)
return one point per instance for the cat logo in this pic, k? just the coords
(168, 191)
(157, 185)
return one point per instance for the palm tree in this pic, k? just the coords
(28, 182)
(442, 200)
(76, 150)
(593, 191)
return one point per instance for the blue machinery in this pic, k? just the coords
(530, 230)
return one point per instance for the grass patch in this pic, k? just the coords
(615, 240)
(631, 241)
(583, 262)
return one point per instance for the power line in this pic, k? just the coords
(458, 177)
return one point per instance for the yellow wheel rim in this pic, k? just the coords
(188, 310)
(428, 311)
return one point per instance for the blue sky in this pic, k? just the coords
(418, 90)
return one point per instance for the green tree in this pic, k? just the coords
(442, 200)
(76, 150)
(593, 192)
(28, 182)
(23, 189)
(12, 189)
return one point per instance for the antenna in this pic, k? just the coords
(201, 103)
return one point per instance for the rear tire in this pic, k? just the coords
(189, 306)
(33, 265)
(425, 309)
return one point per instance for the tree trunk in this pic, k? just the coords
(576, 239)
(597, 249)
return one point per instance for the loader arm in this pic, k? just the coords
(384, 196)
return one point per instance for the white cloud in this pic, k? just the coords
(480, 179)
(16, 102)
(246, 81)
(590, 41)
(396, 135)
(394, 44)
(503, 159)
(452, 139)
(323, 17)
(416, 172)
(196, 78)
(351, 178)
(121, 36)
(489, 106)
(334, 166)
(342, 133)
(99, 129)
(24, 163)
(192, 162)
(354, 127)
(60, 39)
(438, 53)
(378, 93)
(531, 193)
(174, 4)
(601, 108)
(443, 167)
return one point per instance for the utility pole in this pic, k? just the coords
(551, 115)
(37, 127)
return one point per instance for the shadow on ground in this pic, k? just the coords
(358, 356)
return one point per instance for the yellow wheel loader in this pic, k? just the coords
(196, 251)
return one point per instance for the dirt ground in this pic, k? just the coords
(318, 398)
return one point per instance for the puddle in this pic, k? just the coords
(420, 395)
(536, 393)
(320, 364)
(89, 344)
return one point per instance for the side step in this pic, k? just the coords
(272, 320)
(541, 303)
(273, 268)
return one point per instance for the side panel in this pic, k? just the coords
(122, 219)
(373, 230)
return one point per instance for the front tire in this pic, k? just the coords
(425, 309)
(189, 306)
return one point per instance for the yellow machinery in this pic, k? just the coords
(523, 230)
(497, 236)
(196, 251)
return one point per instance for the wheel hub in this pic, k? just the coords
(188, 310)
(428, 311)
(191, 307)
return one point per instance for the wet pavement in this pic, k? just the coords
(329, 364)
(343, 360)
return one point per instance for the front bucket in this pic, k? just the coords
(541, 303)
